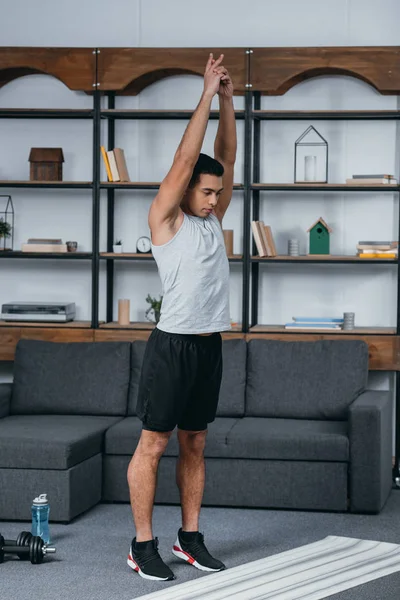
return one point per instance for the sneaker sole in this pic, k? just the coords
(177, 551)
(133, 565)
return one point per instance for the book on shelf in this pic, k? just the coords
(378, 255)
(106, 163)
(113, 165)
(310, 323)
(373, 176)
(390, 246)
(121, 164)
(44, 241)
(263, 239)
(311, 326)
(55, 248)
(327, 320)
(371, 180)
(257, 238)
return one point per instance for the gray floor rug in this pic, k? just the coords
(311, 572)
(90, 563)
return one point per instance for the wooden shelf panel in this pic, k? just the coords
(46, 113)
(75, 67)
(17, 254)
(276, 70)
(70, 324)
(322, 258)
(130, 70)
(149, 256)
(46, 184)
(144, 185)
(133, 325)
(149, 326)
(355, 331)
(325, 187)
(326, 114)
(158, 114)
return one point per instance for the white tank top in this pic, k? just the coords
(194, 272)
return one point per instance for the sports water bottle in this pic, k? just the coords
(40, 518)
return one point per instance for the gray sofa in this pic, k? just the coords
(295, 428)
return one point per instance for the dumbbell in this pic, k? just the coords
(34, 548)
(22, 540)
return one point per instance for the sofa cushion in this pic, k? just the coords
(305, 380)
(123, 437)
(231, 398)
(233, 384)
(289, 439)
(50, 441)
(71, 378)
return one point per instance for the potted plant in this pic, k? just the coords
(117, 247)
(5, 232)
(155, 309)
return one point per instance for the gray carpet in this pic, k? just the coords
(91, 551)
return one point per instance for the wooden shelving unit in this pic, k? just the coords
(126, 71)
(355, 331)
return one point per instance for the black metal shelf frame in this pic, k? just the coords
(251, 205)
(256, 118)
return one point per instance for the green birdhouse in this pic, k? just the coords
(319, 237)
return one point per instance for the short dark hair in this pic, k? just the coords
(206, 165)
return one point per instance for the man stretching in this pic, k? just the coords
(182, 365)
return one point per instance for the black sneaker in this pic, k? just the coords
(195, 553)
(146, 561)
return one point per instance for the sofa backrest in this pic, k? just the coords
(88, 378)
(232, 393)
(304, 380)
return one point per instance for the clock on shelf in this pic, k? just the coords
(143, 245)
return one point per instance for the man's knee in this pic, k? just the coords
(192, 442)
(153, 443)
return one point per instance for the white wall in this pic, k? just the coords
(368, 290)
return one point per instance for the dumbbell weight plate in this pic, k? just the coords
(24, 539)
(36, 550)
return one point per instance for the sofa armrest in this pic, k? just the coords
(370, 435)
(5, 399)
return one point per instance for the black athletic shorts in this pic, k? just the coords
(180, 381)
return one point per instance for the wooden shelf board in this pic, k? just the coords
(182, 113)
(70, 324)
(28, 183)
(126, 255)
(321, 257)
(149, 255)
(327, 186)
(41, 254)
(149, 326)
(132, 325)
(317, 113)
(144, 184)
(355, 331)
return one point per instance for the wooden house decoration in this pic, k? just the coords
(319, 237)
(46, 164)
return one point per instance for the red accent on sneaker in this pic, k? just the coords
(134, 562)
(191, 559)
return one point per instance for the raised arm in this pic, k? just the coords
(165, 206)
(225, 142)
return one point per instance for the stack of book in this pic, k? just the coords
(114, 161)
(44, 245)
(310, 323)
(263, 238)
(373, 178)
(377, 249)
